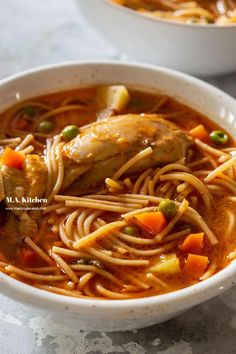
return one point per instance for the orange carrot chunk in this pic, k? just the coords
(199, 132)
(193, 243)
(195, 265)
(12, 158)
(154, 221)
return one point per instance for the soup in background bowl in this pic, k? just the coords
(190, 12)
(110, 178)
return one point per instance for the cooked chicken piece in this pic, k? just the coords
(14, 185)
(72, 171)
(11, 228)
(19, 184)
(98, 152)
(107, 145)
(35, 175)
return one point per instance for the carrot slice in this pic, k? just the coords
(12, 158)
(155, 221)
(195, 265)
(199, 132)
(193, 243)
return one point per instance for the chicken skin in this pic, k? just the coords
(103, 147)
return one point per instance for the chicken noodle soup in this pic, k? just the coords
(219, 12)
(111, 193)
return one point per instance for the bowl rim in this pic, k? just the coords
(217, 283)
(209, 26)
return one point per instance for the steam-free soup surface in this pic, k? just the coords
(109, 192)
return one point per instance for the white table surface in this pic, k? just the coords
(40, 32)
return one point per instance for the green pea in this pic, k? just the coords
(29, 111)
(46, 127)
(70, 132)
(219, 137)
(168, 208)
(130, 230)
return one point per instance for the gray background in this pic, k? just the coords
(38, 32)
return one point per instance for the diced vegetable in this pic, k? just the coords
(167, 265)
(199, 132)
(219, 137)
(154, 221)
(29, 111)
(195, 265)
(46, 127)
(115, 97)
(130, 230)
(168, 208)
(70, 132)
(12, 158)
(193, 243)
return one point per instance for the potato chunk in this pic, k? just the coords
(115, 97)
(167, 265)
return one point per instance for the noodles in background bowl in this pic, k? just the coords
(219, 12)
(137, 234)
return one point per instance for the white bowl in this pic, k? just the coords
(114, 315)
(195, 49)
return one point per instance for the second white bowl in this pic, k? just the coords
(195, 49)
